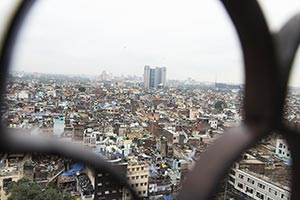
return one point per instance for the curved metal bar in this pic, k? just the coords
(8, 42)
(17, 143)
(261, 104)
(213, 164)
(287, 41)
(267, 61)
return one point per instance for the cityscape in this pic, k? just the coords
(150, 128)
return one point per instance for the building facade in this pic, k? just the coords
(137, 175)
(255, 186)
(282, 149)
(155, 77)
(106, 187)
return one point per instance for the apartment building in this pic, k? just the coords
(138, 176)
(257, 186)
(282, 149)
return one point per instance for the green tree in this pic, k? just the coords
(23, 190)
(220, 105)
(81, 88)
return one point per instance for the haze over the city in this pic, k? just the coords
(192, 38)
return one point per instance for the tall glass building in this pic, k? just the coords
(155, 77)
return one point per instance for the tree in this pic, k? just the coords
(220, 105)
(81, 88)
(24, 189)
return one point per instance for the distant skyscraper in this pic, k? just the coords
(146, 76)
(155, 77)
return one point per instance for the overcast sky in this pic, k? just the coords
(192, 38)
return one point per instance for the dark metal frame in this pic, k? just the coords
(268, 58)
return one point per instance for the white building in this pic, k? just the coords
(213, 123)
(23, 95)
(146, 76)
(257, 186)
(282, 149)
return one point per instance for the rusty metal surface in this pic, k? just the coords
(268, 58)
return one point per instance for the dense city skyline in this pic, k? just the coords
(152, 136)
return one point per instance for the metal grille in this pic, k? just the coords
(268, 58)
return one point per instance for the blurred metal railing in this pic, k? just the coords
(268, 58)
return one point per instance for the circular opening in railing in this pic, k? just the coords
(147, 85)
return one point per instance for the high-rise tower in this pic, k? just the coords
(155, 77)
(146, 76)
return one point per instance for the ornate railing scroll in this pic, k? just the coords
(268, 58)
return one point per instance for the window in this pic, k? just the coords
(250, 180)
(259, 195)
(261, 185)
(232, 172)
(240, 185)
(241, 176)
(249, 190)
(231, 179)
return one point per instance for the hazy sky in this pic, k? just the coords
(192, 38)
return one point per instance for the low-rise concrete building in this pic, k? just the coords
(137, 175)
